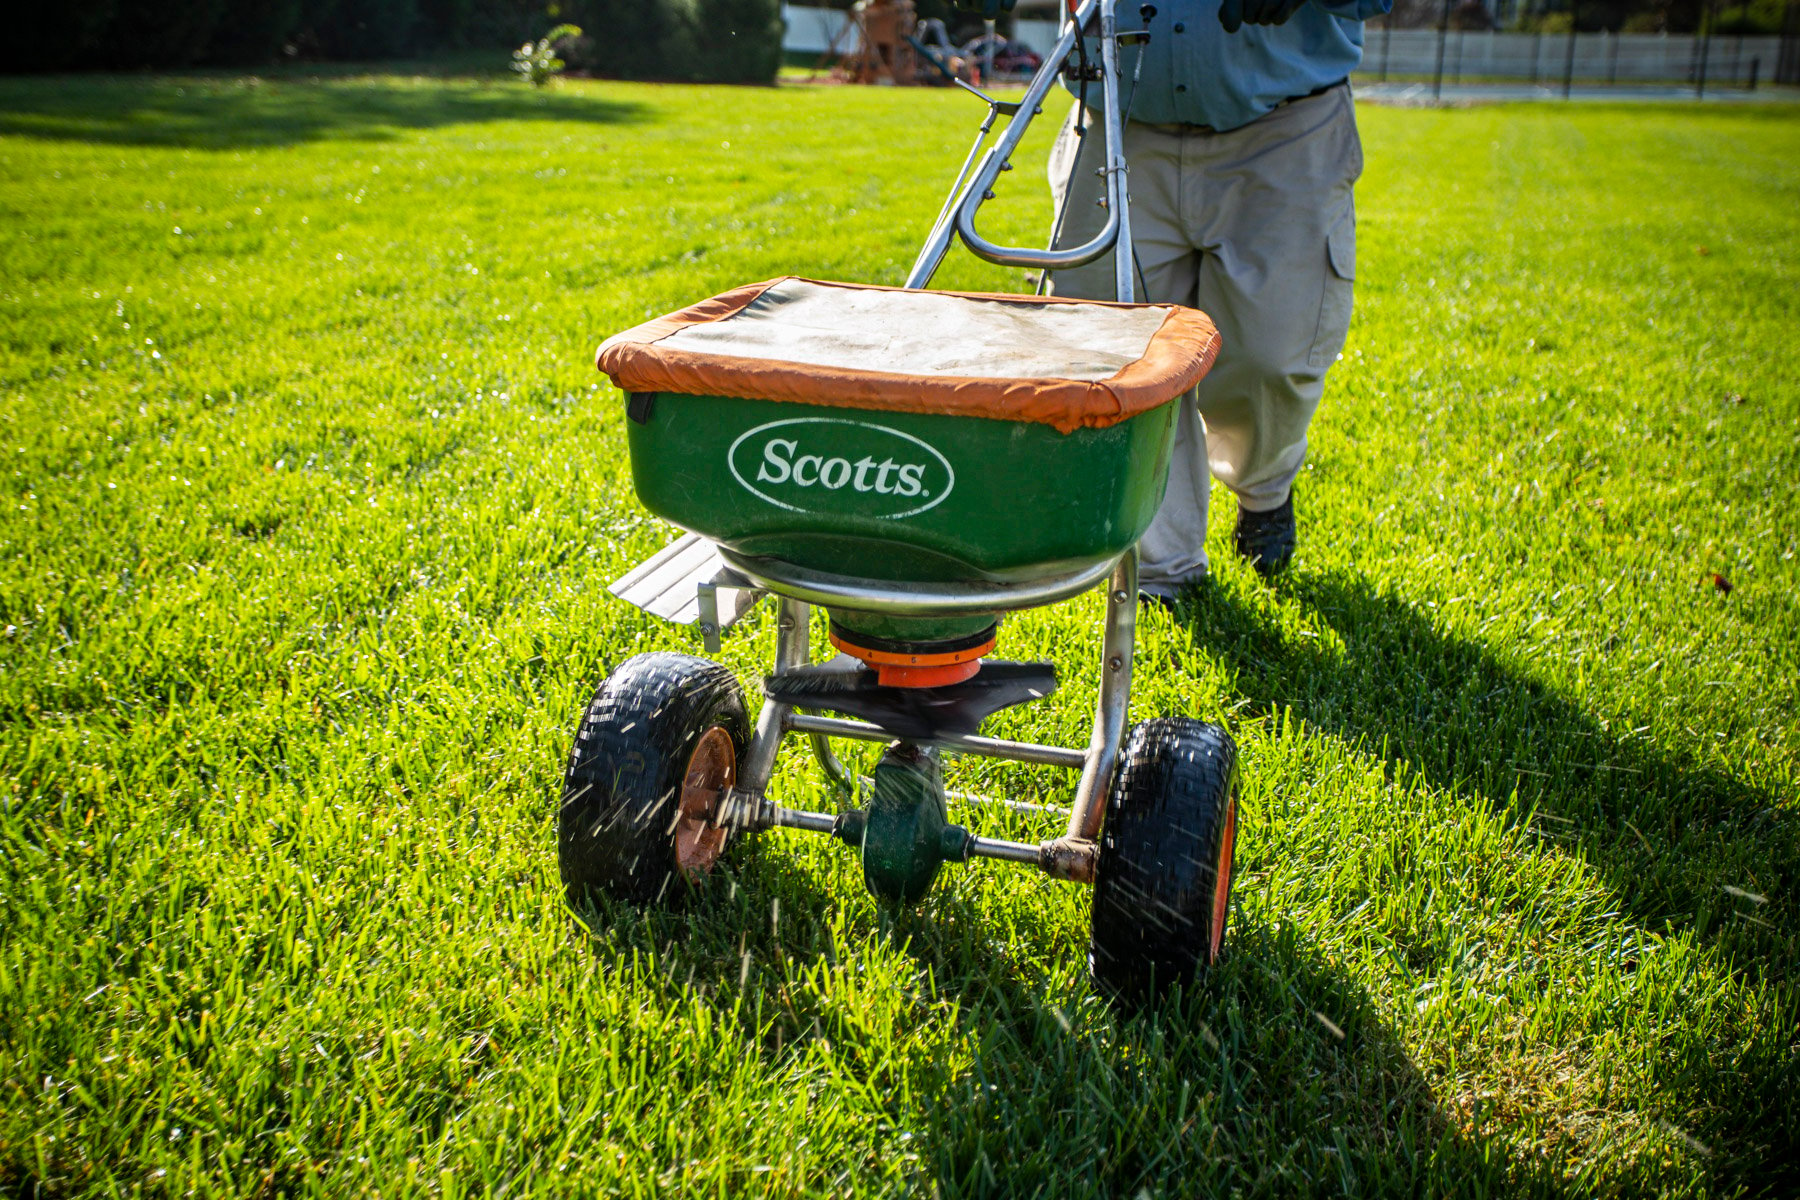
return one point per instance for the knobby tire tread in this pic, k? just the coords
(622, 789)
(1159, 847)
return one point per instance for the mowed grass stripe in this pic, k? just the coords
(309, 516)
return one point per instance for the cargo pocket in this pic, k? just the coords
(1340, 276)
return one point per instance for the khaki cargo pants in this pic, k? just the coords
(1256, 228)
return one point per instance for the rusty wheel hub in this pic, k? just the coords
(711, 768)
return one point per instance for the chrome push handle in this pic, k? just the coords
(969, 192)
(1020, 256)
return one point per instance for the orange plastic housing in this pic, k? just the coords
(918, 670)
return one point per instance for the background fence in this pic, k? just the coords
(1543, 56)
(1472, 54)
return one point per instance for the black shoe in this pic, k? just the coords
(1266, 539)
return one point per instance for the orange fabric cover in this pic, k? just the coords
(1178, 355)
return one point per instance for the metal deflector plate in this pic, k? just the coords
(686, 582)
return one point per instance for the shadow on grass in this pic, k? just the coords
(1275, 1076)
(1667, 835)
(225, 113)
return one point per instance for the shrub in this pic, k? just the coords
(254, 31)
(143, 33)
(349, 29)
(484, 24)
(537, 62)
(736, 41)
(627, 39)
(710, 41)
(51, 37)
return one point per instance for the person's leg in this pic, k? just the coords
(1173, 549)
(1278, 227)
(1165, 260)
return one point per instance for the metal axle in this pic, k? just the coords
(743, 811)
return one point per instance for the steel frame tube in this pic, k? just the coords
(926, 265)
(1019, 852)
(959, 743)
(937, 243)
(1114, 701)
(969, 192)
(791, 650)
(770, 815)
(996, 159)
(1124, 254)
(773, 816)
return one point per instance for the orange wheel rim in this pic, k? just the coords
(711, 768)
(1222, 879)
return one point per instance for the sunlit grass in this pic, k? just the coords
(311, 500)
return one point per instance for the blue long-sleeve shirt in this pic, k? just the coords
(1195, 73)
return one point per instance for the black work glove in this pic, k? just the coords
(989, 9)
(1234, 14)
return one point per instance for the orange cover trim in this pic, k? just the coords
(1178, 356)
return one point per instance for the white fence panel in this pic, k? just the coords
(1039, 35)
(1626, 58)
(811, 30)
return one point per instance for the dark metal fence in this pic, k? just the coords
(1704, 44)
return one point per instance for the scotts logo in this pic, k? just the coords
(830, 465)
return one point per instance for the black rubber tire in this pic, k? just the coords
(1170, 830)
(621, 792)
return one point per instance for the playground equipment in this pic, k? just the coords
(916, 464)
(885, 39)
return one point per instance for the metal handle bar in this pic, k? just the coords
(997, 157)
(958, 215)
(1020, 256)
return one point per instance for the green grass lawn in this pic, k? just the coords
(311, 495)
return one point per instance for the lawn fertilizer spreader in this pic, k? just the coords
(916, 464)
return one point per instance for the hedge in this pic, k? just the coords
(723, 41)
(730, 41)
